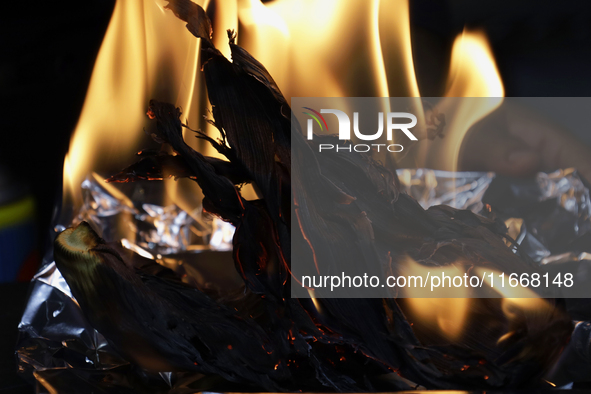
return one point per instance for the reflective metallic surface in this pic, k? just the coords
(546, 216)
(462, 190)
(57, 344)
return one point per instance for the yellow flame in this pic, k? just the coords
(507, 291)
(350, 48)
(447, 314)
(145, 54)
(395, 40)
(315, 301)
(113, 102)
(518, 302)
(473, 73)
(328, 48)
(225, 17)
(514, 226)
(311, 47)
(332, 48)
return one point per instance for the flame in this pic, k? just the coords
(472, 73)
(330, 48)
(448, 317)
(224, 16)
(321, 48)
(353, 49)
(518, 295)
(514, 226)
(446, 314)
(145, 54)
(518, 304)
(315, 301)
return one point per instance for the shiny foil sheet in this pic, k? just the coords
(58, 347)
(548, 216)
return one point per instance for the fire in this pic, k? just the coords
(312, 48)
(145, 53)
(332, 48)
(449, 318)
(521, 307)
(447, 315)
(329, 48)
(472, 73)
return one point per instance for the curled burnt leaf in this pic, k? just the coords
(146, 317)
(248, 64)
(197, 21)
(249, 107)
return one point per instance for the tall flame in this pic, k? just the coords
(330, 48)
(145, 53)
(472, 73)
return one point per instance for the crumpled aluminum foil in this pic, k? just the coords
(549, 216)
(462, 190)
(57, 346)
(153, 228)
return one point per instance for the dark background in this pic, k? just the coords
(48, 49)
(47, 55)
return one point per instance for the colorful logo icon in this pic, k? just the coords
(316, 115)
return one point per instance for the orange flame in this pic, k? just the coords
(472, 73)
(145, 54)
(330, 48)
(448, 315)
(312, 48)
